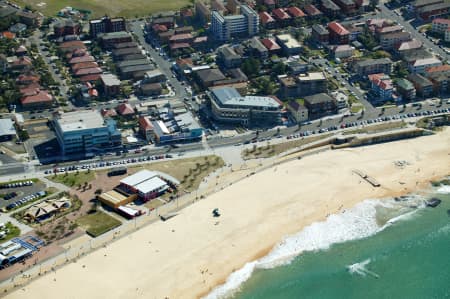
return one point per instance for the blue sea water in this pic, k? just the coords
(378, 249)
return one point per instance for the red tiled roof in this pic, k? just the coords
(85, 58)
(280, 14)
(145, 123)
(90, 78)
(338, 28)
(265, 17)
(73, 43)
(41, 97)
(437, 69)
(109, 112)
(175, 46)
(83, 65)
(125, 109)
(183, 36)
(30, 90)
(88, 71)
(270, 44)
(93, 92)
(22, 61)
(441, 21)
(276, 99)
(8, 34)
(28, 78)
(295, 12)
(381, 81)
(312, 10)
(159, 28)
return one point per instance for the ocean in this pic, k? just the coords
(378, 249)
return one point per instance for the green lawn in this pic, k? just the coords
(124, 8)
(13, 231)
(98, 223)
(73, 179)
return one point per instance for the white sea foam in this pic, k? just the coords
(361, 269)
(356, 223)
(443, 189)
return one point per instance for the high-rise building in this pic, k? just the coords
(239, 25)
(106, 25)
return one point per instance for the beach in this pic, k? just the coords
(193, 252)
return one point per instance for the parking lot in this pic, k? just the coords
(21, 192)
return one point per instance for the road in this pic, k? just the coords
(388, 13)
(323, 63)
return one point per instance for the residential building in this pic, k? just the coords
(256, 49)
(111, 84)
(373, 66)
(440, 83)
(17, 28)
(406, 89)
(111, 39)
(39, 99)
(154, 76)
(271, 45)
(146, 127)
(85, 132)
(330, 8)
(341, 99)
(420, 65)
(433, 11)
(298, 111)
(380, 31)
(282, 17)
(150, 89)
(224, 27)
(413, 44)
(381, 88)
(302, 85)
(289, 45)
(202, 12)
(348, 7)
(227, 57)
(320, 34)
(227, 105)
(207, 77)
(440, 25)
(338, 33)
(106, 25)
(418, 4)
(440, 69)
(320, 105)
(167, 21)
(447, 35)
(65, 27)
(29, 18)
(423, 86)
(391, 40)
(343, 51)
(295, 12)
(312, 11)
(267, 20)
(297, 66)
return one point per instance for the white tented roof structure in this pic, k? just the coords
(138, 177)
(151, 185)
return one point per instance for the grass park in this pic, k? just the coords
(98, 223)
(74, 178)
(123, 8)
(270, 150)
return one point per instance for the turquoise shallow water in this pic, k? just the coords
(407, 259)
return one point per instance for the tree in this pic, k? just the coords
(279, 69)
(98, 191)
(251, 67)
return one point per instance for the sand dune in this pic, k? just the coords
(190, 254)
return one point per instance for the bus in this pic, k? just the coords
(117, 171)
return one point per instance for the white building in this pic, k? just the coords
(244, 24)
(418, 66)
(440, 25)
(85, 132)
(343, 51)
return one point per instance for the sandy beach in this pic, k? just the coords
(190, 254)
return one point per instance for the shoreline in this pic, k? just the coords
(255, 218)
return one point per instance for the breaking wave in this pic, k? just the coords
(359, 222)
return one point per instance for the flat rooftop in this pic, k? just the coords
(80, 120)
